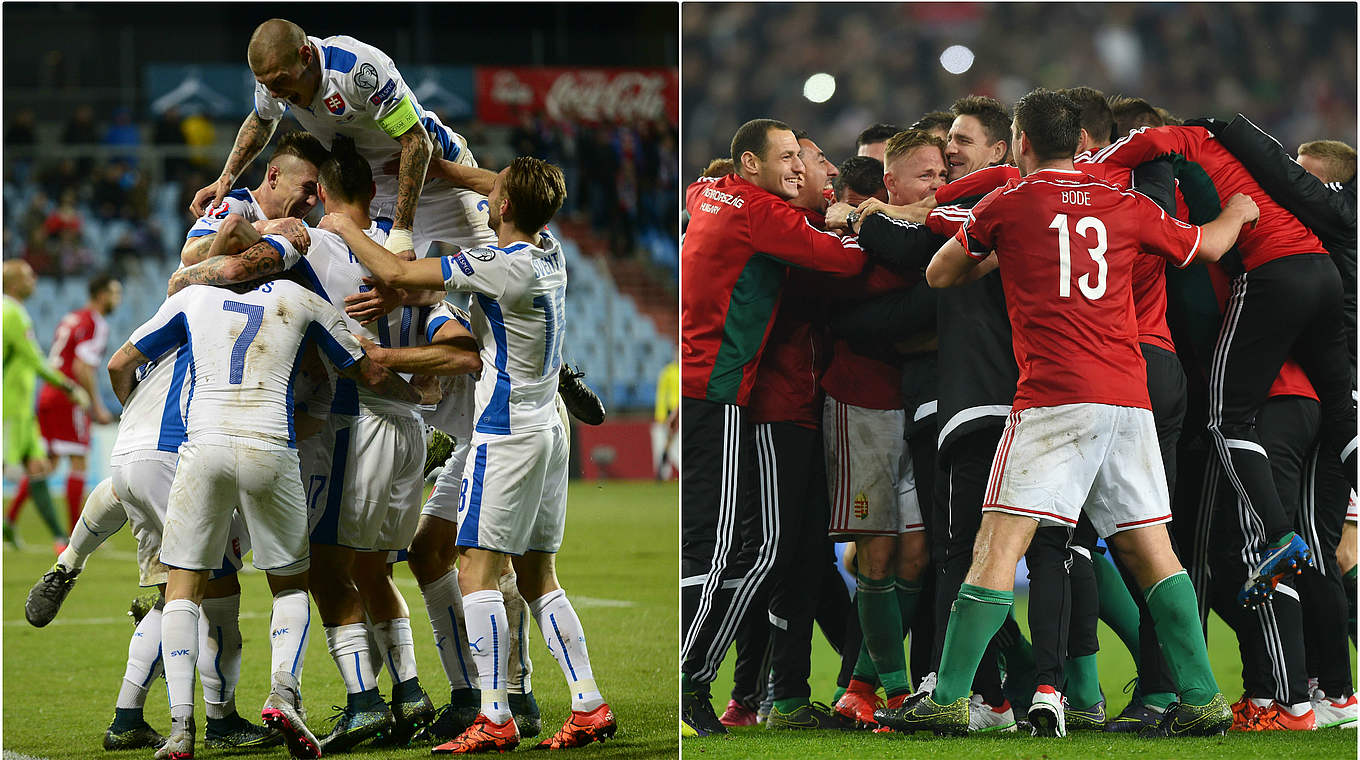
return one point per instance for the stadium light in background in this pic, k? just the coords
(956, 59)
(819, 88)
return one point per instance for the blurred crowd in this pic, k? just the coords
(1287, 66)
(102, 191)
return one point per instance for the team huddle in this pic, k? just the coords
(281, 400)
(1005, 333)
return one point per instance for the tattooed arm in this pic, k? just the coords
(250, 140)
(416, 148)
(259, 260)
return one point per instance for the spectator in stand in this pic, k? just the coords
(123, 133)
(21, 132)
(199, 134)
(81, 131)
(169, 133)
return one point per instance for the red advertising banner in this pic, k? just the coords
(594, 95)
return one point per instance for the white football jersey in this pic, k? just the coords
(243, 349)
(334, 273)
(519, 315)
(363, 96)
(153, 417)
(239, 201)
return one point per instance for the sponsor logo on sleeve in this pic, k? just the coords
(386, 92)
(463, 263)
(335, 104)
(366, 77)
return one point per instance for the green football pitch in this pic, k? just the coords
(1116, 668)
(618, 564)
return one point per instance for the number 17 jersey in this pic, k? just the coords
(1066, 244)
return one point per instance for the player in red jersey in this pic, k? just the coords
(741, 238)
(1080, 436)
(77, 349)
(1286, 300)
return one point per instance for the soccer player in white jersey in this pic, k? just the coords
(363, 473)
(516, 473)
(286, 194)
(339, 85)
(241, 453)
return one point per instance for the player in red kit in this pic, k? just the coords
(77, 349)
(1080, 436)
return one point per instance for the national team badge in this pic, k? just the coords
(861, 505)
(335, 104)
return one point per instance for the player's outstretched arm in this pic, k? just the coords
(952, 266)
(472, 178)
(250, 140)
(425, 274)
(259, 260)
(381, 381)
(453, 351)
(123, 370)
(1221, 234)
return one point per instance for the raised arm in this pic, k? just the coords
(250, 140)
(387, 267)
(472, 178)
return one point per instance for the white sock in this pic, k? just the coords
(288, 625)
(375, 650)
(567, 642)
(444, 603)
(219, 654)
(487, 636)
(143, 663)
(179, 642)
(398, 647)
(102, 516)
(1297, 710)
(1257, 702)
(520, 669)
(349, 647)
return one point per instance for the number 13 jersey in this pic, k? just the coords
(1066, 243)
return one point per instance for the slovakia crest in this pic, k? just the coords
(335, 104)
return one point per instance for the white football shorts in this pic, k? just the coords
(868, 472)
(371, 485)
(516, 495)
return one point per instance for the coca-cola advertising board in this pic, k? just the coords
(592, 95)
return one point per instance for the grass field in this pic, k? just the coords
(1116, 668)
(618, 564)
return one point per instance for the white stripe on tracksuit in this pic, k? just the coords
(755, 577)
(727, 507)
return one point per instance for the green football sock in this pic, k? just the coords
(1083, 682)
(907, 594)
(786, 706)
(976, 616)
(42, 498)
(864, 665)
(1159, 699)
(881, 622)
(1117, 607)
(1175, 614)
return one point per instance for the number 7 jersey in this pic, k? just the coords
(1066, 244)
(518, 315)
(244, 349)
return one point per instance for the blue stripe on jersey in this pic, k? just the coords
(405, 326)
(314, 283)
(198, 233)
(445, 137)
(346, 398)
(496, 417)
(433, 327)
(330, 346)
(338, 59)
(276, 245)
(384, 339)
(292, 381)
(173, 432)
(510, 248)
(384, 224)
(327, 528)
(467, 531)
(172, 334)
(240, 194)
(446, 265)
